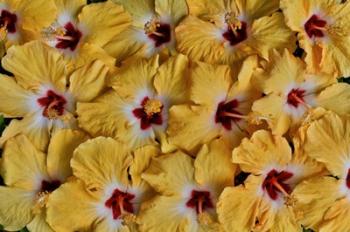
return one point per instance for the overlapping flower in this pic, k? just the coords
(175, 115)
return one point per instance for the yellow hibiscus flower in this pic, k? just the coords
(222, 99)
(292, 92)
(21, 20)
(151, 31)
(40, 93)
(135, 111)
(226, 32)
(81, 31)
(323, 32)
(264, 202)
(188, 190)
(31, 177)
(108, 192)
(323, 202)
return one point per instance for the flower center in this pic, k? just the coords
(315, 26)
(120, 203)
(53, 105)
(47, 187)
(275, 183)
(226, 113)
(7, 23)
(149, 113)
(159, 32)
(67, 37)
(236, 29)
(296, 97)
(200, 201)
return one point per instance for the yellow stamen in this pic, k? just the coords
(40, 201)
(153, 106)
(54, 32)
(3, 31)
(233, 22)
(152, 26)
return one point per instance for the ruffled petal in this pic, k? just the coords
(173, 9)
(34, 126)
(171, 80)
(111, 116)
(314, 197)
(39, 223)
(71, 6)
(217, 78)
(336, 98)
(15, 208)
(60, 151)
(104, 21)
(213, 166)
(71, 208)
(260, 151)
(336, 217)
(87, 82)
(47, 66)
(31, 19)
(254, 9)
(170, 174)
(190, 126)
(23, 165)
(327, 141)
(101, 161)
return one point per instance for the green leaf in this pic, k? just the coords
(2, 124)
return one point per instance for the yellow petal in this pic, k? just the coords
(71, 208)
(327, 141)
(101, 161)
(24, 166)
(72, 6)
(174, 9)
(132, 81)
(88, 53)
(165, 214)
(270, 109)
(171, 80)
(295, 13)
(126, 44)
(213, 166)
(139, 9)
(14, 100)
(169, 174)
(190, 126)
(237, 209)
(104, 21)
(87, 82)
(39, 223)
(34, 126)
(101, 107)
(31, 19)
(60, 151)
(217, 78)
(260, 151)
(336, 217)
(336, 98)
(198, 39)
(47, 66)
(15, 208)
(314, 197)
(255, 9)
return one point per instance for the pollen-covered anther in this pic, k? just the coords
(234, 23)
(153, 106)
(41, 199)
(152, 26)
(157, 31)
